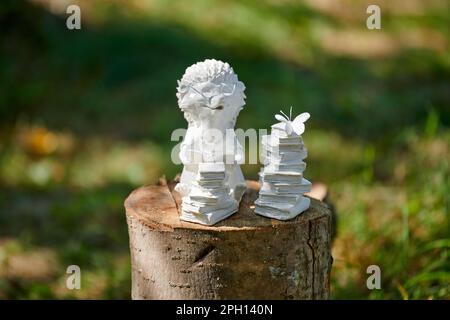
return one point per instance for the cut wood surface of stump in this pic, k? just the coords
(246, 256)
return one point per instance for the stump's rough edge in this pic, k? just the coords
(169, 206)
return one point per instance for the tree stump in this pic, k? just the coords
(246, 256)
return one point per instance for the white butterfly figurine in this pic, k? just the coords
(297, 125)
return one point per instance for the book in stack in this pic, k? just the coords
(281, 178)
(209, 199)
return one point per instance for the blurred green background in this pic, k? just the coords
(86, 117)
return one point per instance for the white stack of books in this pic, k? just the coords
(209, 199)
(282, 182)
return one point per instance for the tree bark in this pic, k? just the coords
(243, 257)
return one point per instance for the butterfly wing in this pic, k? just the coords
(298, 123)
(302, 117)
(299, 129)
(280, 118)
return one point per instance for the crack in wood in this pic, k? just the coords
(308, 242)
(204, 253)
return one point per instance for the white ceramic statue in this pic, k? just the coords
(211, 184)
(282, 182)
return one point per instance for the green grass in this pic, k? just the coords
(86, 117)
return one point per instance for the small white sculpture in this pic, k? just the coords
(211, 184)
(282, 182)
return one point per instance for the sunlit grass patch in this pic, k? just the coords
(39, 157)
(400, 225)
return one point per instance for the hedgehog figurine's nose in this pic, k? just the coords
(216, 103)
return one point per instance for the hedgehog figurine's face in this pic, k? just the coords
(210, 90)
